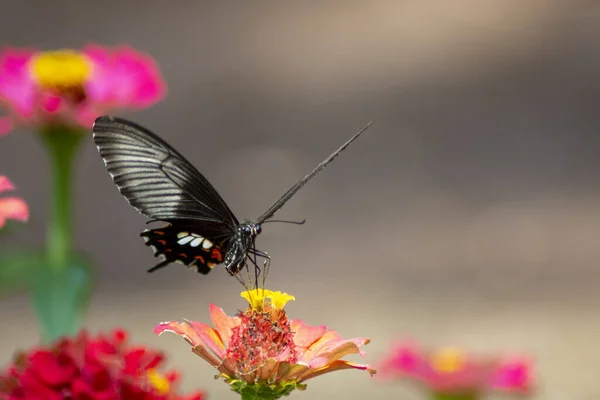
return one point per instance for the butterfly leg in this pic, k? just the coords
(266, 263)
(257, 271)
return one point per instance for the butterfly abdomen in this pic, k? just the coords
(182, 246)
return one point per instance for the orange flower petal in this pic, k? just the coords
(336, 366)
(184, 330)
(304, 334)
(210, 337)
(224, 324)
(206, 355)
(267, 370)
(343, 349)
(322, 344)
(288, 371)
(14, 208)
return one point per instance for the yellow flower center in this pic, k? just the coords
(256, 298)
(448, 360)
(158, 381)
(61, 69)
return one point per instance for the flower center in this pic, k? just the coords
(62, 70)
(158, 381)
(262, 334)
(448, 360)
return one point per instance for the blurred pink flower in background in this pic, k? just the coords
(450, 370)
(72, 88)
(11, 207)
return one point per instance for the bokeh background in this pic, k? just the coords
(469, 213)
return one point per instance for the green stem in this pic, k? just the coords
(455, 396)
(61, 143)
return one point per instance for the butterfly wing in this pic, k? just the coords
(154, 178)
(175, 243)
(161, 184)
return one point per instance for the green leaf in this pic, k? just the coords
(61, 297)
(18, 270)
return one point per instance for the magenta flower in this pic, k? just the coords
(261, 353)
(72, 87)
(451, 371)
(11, 207)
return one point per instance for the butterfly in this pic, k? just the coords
(201, 230)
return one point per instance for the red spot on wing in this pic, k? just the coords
(200, 258)
(163, 242)
(216, 254)
(159, 232)
(183, 255)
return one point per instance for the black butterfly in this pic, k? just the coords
(161, 184)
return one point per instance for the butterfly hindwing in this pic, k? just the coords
(156, 180)
(184, 246)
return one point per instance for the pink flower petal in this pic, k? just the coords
(50, 102)
(224, 324)
(17, 88)
(304, 334)
(6, 184)
(6, 125)
(86, 115)
(14, 208)
(514, 375)
(124, 77)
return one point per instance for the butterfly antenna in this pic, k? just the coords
(288, 195)
(286, 222)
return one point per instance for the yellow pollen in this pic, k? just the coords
(160, 383)
(279, 300)
(256, 297)
(61, 69)
(448, 360)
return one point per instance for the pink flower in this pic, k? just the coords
(91, 367)
(72, 87)
(449, 370)
(11, 207)
(261, 348)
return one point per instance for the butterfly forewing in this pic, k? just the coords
(155, 179)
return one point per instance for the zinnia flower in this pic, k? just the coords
(104, 367)
(262, 354)
(450, 371)
(11, 207)
(71, 88)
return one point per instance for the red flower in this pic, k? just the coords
(104, 367)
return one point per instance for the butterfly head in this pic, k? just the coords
(248, 228)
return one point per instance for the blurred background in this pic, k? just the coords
(468, 214)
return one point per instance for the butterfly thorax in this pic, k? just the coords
(242, 241)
